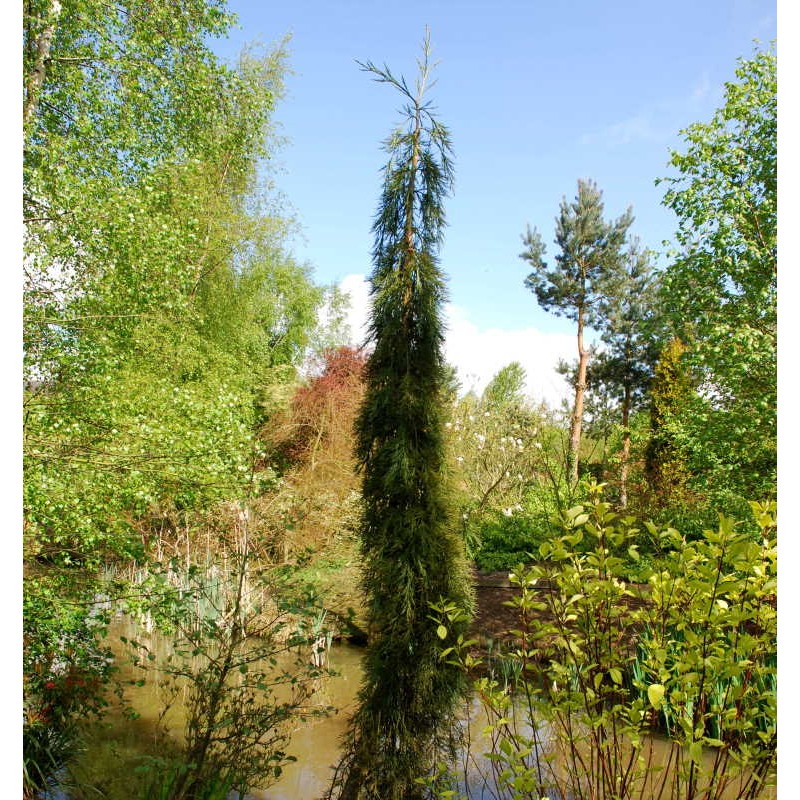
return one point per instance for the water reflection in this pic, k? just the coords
(315, 743)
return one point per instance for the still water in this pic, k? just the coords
(315, 743)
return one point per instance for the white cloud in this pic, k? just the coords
(357, 288)
(701, 89)
(479, 354)
(640, 127)
(657, 122)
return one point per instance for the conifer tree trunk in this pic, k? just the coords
(625, 455)
(576, 422)
(590, 254)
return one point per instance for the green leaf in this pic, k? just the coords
(573, 512)
(655, 694)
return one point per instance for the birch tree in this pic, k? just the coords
(721, 288)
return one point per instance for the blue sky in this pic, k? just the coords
(536, 95)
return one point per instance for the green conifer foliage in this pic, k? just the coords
(412, 555)
(591, 253)
(670, 397)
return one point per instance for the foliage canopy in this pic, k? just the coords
(721, 289)
(158, 299)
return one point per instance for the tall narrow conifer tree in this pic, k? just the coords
(412, 555)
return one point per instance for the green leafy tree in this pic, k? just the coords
(158, 297)
(506, 388)
(495, 444)
(590, 253)
(412, 554)
(721, 289)
(114, 96)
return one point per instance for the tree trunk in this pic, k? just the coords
(34, 81)
(577, 411)
(626, 448)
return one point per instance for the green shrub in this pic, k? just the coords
(240, 662)
(606, 665)
(505, 540)
(66, 672)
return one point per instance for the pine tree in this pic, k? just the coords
(590, 252)
(629, 330)
(412, 556)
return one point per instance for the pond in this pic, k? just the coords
(315, 743)
(120, 743)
